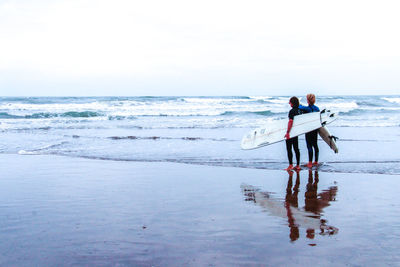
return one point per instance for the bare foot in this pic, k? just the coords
(297, 168)
(290, 167)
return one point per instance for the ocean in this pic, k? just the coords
(197, 130)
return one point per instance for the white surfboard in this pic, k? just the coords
(328, 138)
(275, 131)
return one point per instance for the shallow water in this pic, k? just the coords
(63, 211)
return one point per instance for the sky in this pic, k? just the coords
(218, 47)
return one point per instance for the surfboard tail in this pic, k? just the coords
(329, 139)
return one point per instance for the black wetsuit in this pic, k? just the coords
(294, 141)
(311, 137)
(311, 140)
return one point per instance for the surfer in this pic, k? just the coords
(311, 137)
(293, 142)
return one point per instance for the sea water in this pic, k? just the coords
(197, 130)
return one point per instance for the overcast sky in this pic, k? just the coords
(170, 47)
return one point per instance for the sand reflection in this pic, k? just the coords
(308, 217)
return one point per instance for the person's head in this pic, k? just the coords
(294, 101)
(311, 99)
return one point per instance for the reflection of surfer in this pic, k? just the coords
(291, 200)
(311, 201)
(309, 217)
(294, 141)
(311, 137)
(315, 203)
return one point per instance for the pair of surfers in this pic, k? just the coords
(311, 137)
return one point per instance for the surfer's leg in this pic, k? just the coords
(309, 142)
(315, 145)
(316, 151)
(296, 149)
(289, 150)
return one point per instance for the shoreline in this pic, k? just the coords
(303, 167)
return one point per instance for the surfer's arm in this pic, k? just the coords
(289, 127)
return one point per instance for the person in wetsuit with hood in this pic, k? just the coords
(311, 137)
(293, 142)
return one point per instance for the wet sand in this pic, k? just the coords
(61, 211)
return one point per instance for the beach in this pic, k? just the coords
(70, 211)
(163, 181)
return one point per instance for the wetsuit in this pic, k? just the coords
(311, 137)
(294, 141)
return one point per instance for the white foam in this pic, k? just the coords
(395, 100)
(264, 98)
(340, 106)
(280, 101)
(24, 152)
(216, 100)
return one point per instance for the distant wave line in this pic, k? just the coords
(45, 115)
(186, 138)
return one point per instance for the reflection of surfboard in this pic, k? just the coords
(328, 138)
(277, 207)
(275, 131)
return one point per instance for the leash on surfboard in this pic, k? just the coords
(333, 137)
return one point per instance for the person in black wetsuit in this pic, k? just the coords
(311, 137)
(293, 142)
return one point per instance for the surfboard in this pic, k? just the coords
(328, 138)
(275, 131)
